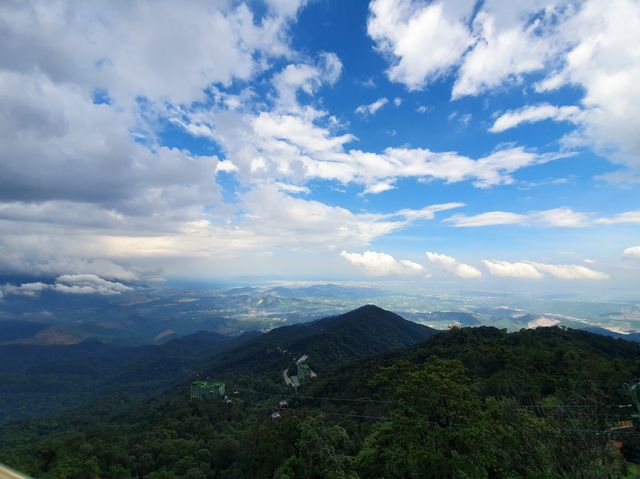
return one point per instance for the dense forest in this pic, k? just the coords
(465, 403)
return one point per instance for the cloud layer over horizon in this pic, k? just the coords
(145, 139)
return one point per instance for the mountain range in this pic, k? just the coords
(387, 389)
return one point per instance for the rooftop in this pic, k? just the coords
(305, 367)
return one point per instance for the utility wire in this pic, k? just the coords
(380, 401)
(320, 410)
(377, 401)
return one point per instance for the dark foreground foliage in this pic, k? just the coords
(467, 403)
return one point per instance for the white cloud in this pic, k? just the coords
(534, 270)
(106, 45)
(487, 171)
(25, 289)
(69, 284)
(556, 217)
(512, 270)
(486, 219)
(382, 264)
(397, 101)
(302, 145)
(534, 113)
(632, 252)
(453, 266)
(60, 58)
(372, 108)
(277, 219)
(560, 217)
(305, 77)
(631, 217)
(494, 44)
(427, 213)
(423, 109)
(421, 40)
(599, 59)
(87, 284)
(569, 271)
(503, 51)
(380, 187)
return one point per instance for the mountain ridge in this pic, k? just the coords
(328, 341)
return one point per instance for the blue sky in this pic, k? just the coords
(480, 143)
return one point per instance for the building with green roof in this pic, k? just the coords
(207, 389)
(304, 372)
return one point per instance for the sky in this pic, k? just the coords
(486, 144)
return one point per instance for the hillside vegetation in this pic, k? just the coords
(465, 403)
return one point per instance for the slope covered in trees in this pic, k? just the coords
(40, 380)
(470, 402)
(329, 342)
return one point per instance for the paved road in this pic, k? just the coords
(8, 473)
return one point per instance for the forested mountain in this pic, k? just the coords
(329, 342)
(468, 402)
(40, 380)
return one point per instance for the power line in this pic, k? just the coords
(360, 416)
(358, 400)
(380, 401)
(318, 410)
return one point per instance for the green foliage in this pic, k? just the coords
(461, 405)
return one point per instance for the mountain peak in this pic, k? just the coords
(370, 308)
(330, 341)
(368, 313)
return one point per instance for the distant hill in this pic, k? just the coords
(323, 291)
(329, 342)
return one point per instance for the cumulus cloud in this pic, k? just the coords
(631, 217)
(632, 252)
(497, 44)
(597, 57)
(569, 271)
(535, 270)
(382, 264)
(380, 187)
(37, 264)
(403, 28)
(512, 270)
(534, 113)
(82, 92)
(25, 289)
(453, 266)
(372, 108)
(278, 219)
(307, 78)
(87, 284)
(504, 50)
(556, 217)
(303, 145)
(106, 45)
(69, 284)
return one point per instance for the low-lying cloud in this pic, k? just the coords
(68, 284)
(382, 264)
(536, 270)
